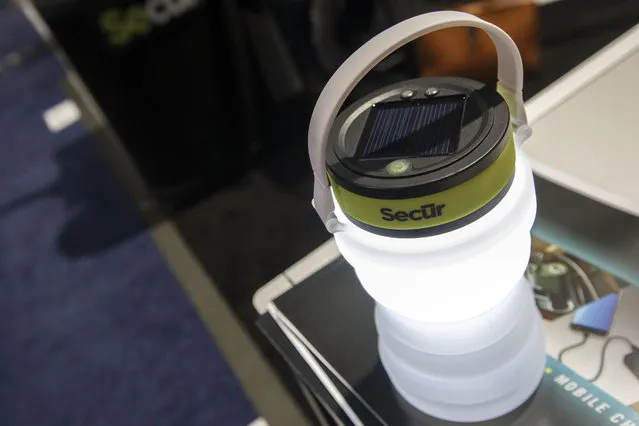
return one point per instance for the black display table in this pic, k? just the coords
(333, 318)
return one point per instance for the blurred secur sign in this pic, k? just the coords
(125, 24)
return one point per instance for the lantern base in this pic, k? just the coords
(466, 371)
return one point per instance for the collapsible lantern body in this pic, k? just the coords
(432, 203)
(459, 333)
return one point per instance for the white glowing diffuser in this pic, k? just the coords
(459, 334)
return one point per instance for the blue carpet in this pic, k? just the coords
(94, 329)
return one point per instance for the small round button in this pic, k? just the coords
(398, 167)
(407, 94)
(431, 91)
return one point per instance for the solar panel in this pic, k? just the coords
(420, 128)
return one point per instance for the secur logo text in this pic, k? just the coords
(427, 211)
(122, 25)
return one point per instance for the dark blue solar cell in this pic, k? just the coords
(421, 128)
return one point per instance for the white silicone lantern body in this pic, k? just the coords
(459, 334)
